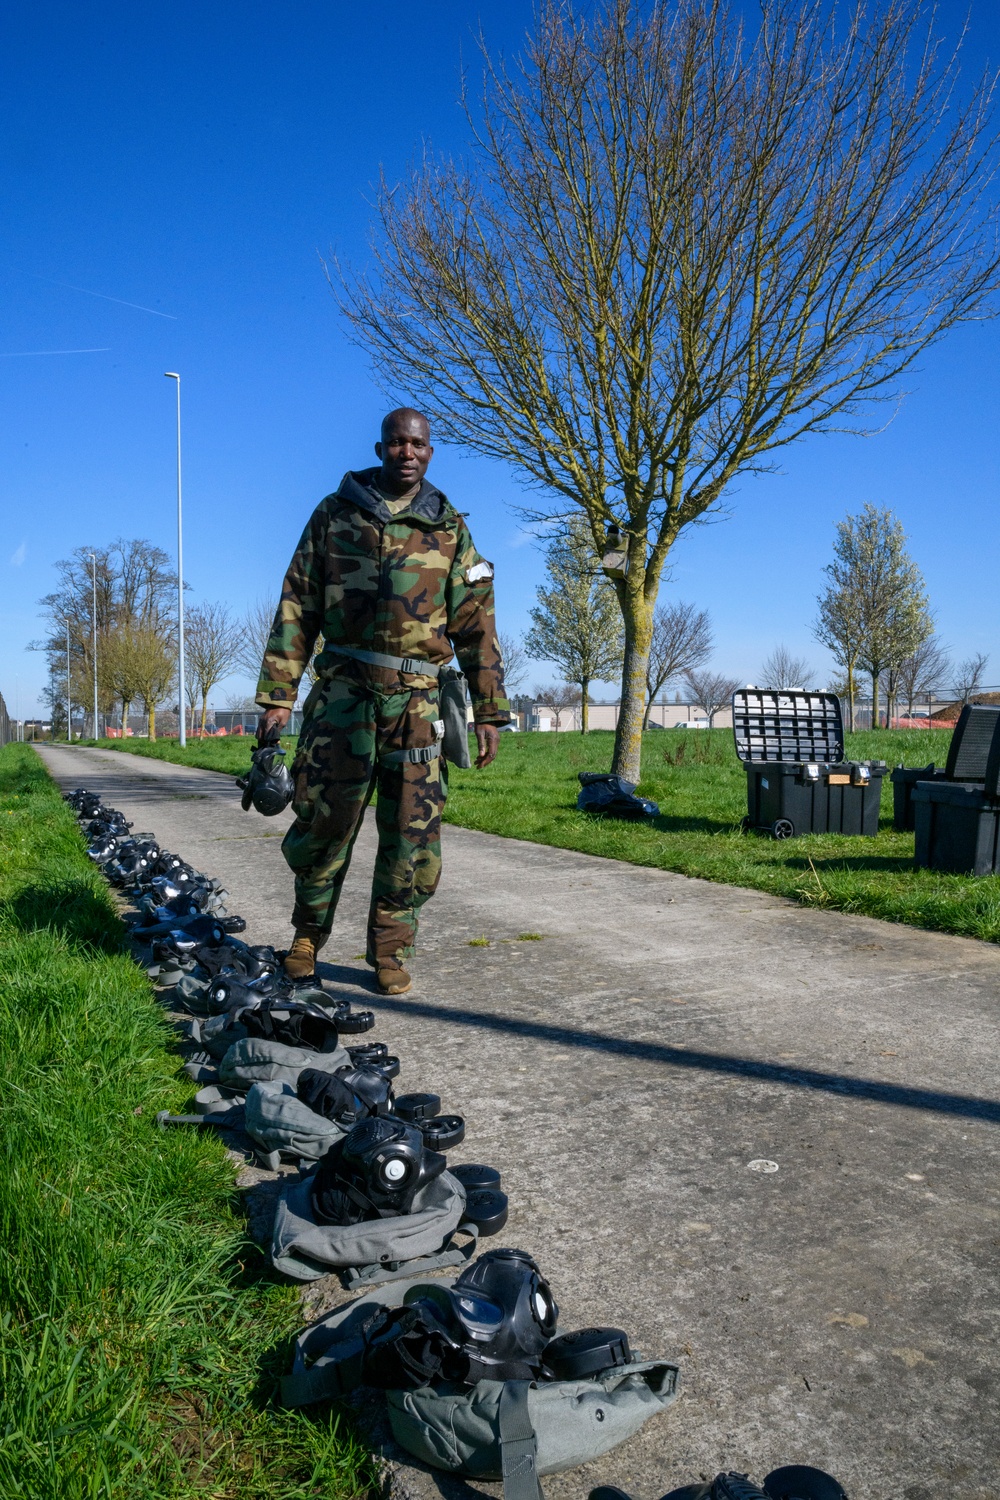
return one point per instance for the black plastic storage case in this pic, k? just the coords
(792, 744)
(967, 756)
(958, 823)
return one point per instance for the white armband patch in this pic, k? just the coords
(477, 571)
(439, 729)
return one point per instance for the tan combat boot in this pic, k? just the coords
(392, 979)
(300, 960)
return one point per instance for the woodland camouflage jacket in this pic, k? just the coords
(412, 584)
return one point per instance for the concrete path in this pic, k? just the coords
(625, 1073)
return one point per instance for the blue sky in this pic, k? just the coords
(197, 161)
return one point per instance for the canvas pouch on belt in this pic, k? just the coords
(456, 727)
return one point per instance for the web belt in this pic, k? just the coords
(426, 753)
(392, 663)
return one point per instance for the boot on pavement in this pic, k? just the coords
(392, 979)
(300, 960)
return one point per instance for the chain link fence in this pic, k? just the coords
(8, 728)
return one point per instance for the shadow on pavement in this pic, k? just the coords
(711, 1062)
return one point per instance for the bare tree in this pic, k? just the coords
(213, 644)
(136, 585)
(515, 660)
(681, 641)
(783, 670)
(560, 697)
(255, 632)
(969, 678)
(711, 691)
(680, 243)
(923, 672)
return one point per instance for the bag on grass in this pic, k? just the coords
(376, 1249)
(613, 796)
(514, 1429)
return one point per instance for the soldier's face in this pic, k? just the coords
(405, 451)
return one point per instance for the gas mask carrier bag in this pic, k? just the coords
(514, 1430)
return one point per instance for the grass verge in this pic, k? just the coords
(530, 793)
(140, 1333)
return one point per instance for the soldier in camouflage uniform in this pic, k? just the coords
(385, 569)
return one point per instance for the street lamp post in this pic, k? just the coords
(69, 700)
(93, 560)
(172, 375)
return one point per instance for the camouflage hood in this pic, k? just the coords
(358, 488)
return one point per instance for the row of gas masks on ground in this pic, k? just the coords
(498, 1320)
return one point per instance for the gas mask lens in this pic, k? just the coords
(480, 1316)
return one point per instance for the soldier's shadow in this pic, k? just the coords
(348, 976)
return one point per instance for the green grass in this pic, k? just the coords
(141, 1334)
(230, 753)
(530, 793)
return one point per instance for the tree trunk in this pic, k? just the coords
(850, 696)
(875, 710)
(637, 612)
(204, 713)
(584, 706)
(126, 705)
(151, 722)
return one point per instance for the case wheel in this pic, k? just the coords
(745, 823)
(782, 829)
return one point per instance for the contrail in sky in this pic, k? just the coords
(69, 287)
(32, 353)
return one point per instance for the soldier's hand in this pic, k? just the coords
(270, 718)
(488, 740)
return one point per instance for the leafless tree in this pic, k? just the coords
(783, 670)
(923, 673)
(255, 632)
(560, 697)
(711, 691)
(681, 641)
(136, 586)
(681, 242)
(515, 660)
(213, 644)
(969, 678)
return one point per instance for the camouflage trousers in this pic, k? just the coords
(349, 729)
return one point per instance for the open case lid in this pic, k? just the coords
(789, 725)
(972, 743)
